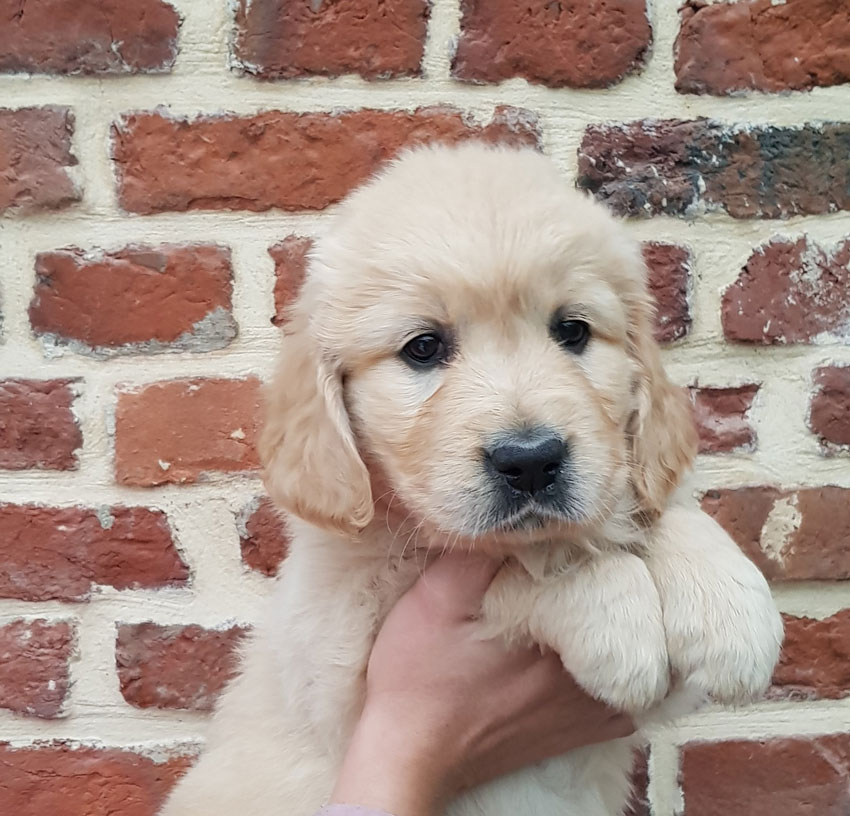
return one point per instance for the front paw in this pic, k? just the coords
(724, 632)
(730, 644)
(629, 671)
(605, 622)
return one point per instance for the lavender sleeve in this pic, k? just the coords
(350, 810)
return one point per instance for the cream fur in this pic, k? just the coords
(649, 603)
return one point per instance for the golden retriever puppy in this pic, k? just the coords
(470, 364)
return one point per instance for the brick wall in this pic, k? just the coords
(162, 168)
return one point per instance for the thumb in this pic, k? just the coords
(455, 584)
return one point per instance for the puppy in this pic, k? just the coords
(470, 364)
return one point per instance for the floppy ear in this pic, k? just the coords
(662, 430)
(312, 466)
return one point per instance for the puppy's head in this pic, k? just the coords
(473, 345)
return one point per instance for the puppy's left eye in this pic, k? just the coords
(425, 350)
(571, 334)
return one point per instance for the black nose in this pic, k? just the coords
(529, 462)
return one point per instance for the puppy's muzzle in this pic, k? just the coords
(527, 464)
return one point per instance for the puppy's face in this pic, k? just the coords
(482, 341)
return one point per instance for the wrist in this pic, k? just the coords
(395, 762)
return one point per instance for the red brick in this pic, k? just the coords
(295, 161)
(62, 780)
(181, 430)
(290, 38)
(87, 36)
(722, 417)
(815, 661)
(290, 267)
(790, 292)
(778, 777)
(669, 268)
(37, 427)
(638, 804)
(34, 659)
(762, 45)
(572, 43)
(35, 154)
(139, 298)
(829, 417)
(181, 667)
(684, 168)
(61, 553)
(805, 540)
(263, 536)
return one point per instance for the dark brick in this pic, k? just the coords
(676, 167)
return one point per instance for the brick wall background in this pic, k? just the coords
(162, 168)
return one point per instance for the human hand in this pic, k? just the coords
(446, 710)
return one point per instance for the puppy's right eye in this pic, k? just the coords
(425, 350)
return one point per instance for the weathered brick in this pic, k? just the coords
(295, 161)
(829, 417)
(778, 777)
(680, 167)
(181, 667)
(815, 661)
(35, 154)
(37, 427)
(572, 43)
(69, 780)
(638, 804)
(263, 536)
(722, 417)
(790, 292)
(181, 430)
(791, 535)
(61, 553)
(290, 266)
(140, 298)
(287, 38)
(669, 268)
(87, 36)
(34, 657)
(762, 45)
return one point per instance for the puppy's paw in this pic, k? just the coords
(628, 671)
(730, 644)
(604, 620)
(723, 630)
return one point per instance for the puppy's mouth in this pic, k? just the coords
(535, 516)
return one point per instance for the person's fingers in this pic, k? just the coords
(456, 583)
